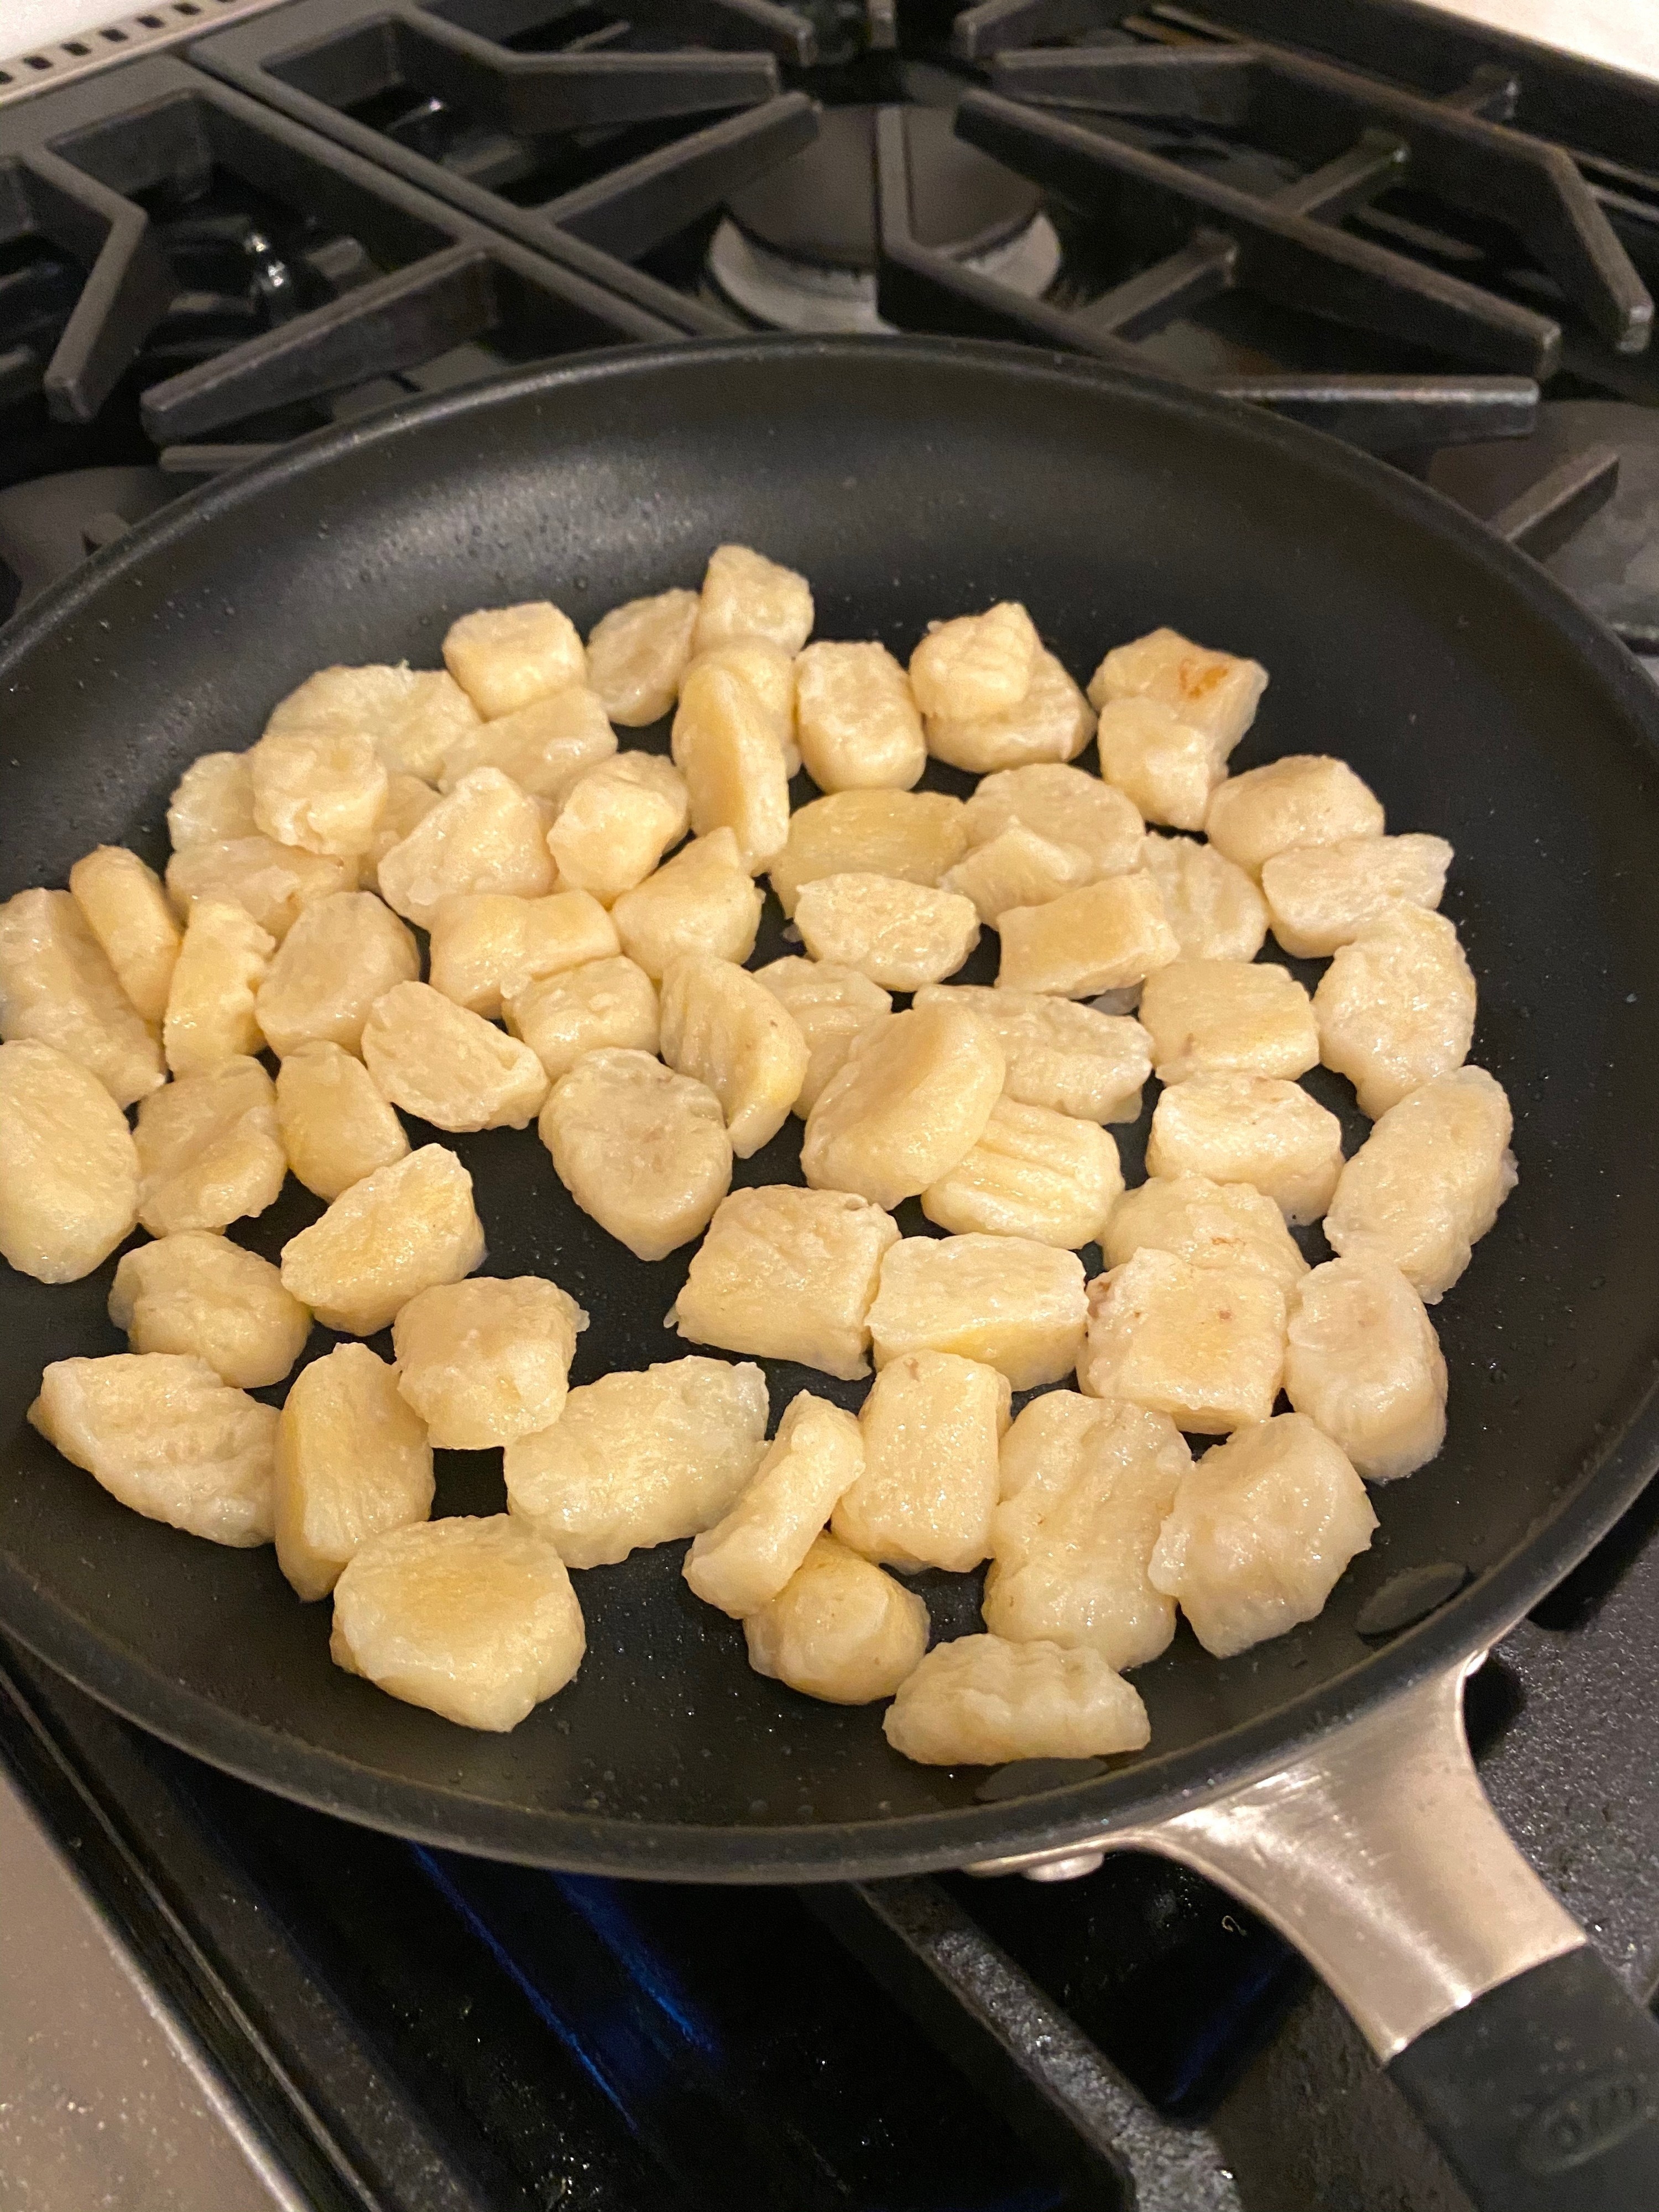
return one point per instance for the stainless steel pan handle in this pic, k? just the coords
(1379, 1856)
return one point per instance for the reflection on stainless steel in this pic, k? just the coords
(105, 2097)
(1380, 1858)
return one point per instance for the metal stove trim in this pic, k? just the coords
(147, 31)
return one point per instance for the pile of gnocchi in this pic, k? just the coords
(448, 894)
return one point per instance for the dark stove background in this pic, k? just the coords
(341, 201)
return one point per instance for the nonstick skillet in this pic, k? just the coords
(1324, 1775)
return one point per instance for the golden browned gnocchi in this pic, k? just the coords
(337, 1126)
(788, 1274)
(1261, 1527)
(57, 987)
(639, 1459)
(839, 1629)
(743, 1561)
(210, 1149)
(637, 653)
(1096, 938)
(982, 1701)
(400, 1230)
(69, 1168)
(475, 1619)
(506, 658)
(914, 836)
(932, 1424)
(197, 1293)
(161, 1433)
(352, 1462)
(641, 1148)
(128, 912)
(1205, 1345)
(1018, 1306)
(1239, 1016)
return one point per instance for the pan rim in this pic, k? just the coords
(898, 1845)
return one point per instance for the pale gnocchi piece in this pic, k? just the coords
(487, 1360)
(166, 1438)
(448, 1066)
(1248, 1018)
(858, 724)
(1363, 1360)
(542, 748)
(914, 836)
(839, 1629)
(637, 653)
(641, 1458)
(197, 1293)
(409, 714)
(506, 658)
(57, 989)
(1213, 1224)
(488, 946)
(1257, 1129)
(641, 1149)
(767, 670)
(1205, 1345)
(1032, 1173)
(788, 1274)
(275, 882)
(726, 744)
(746, 595)
(831, 1006)
(337, 959)
(977, 665)
(337, 1125)
(913, 1096)
(1169, 769)
(1215, 910)
(353, 1460)
(213, 998)
(398, 1231)
(1086, 1485)
(69, 1168)
(931, 1424)
(1261, 1530)
(473, 1619)
(1092, 939)
(321, 788)
(212, 802)
(723, 1027)
(1322, 896)
(1426, 1185)
(616, 821)
(209, 1150)
(1052, 722)
(128, 912)
(743, 1561)
(1063, 1056)
(704, 900)
(1017, 867)
(1306, 799)
(982, 1701)
(1215, 693)
(1396, 1007)
(1066, 805)
(487, 835)
(898, 934)
(581, 1010)
(1018, 1306)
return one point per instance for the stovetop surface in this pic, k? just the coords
(342, 201)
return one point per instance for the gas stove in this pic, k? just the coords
(242, 220)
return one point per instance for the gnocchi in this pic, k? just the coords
(69, 1168)
(352, 1462)
(788, 1274)
(914, 836)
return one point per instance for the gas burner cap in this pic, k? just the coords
(819, 206)
(797, 251)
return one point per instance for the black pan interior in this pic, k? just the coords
(909, 480)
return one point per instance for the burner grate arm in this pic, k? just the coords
(395, 323)
(127, 293)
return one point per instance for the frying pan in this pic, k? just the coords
(1322, 1777)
